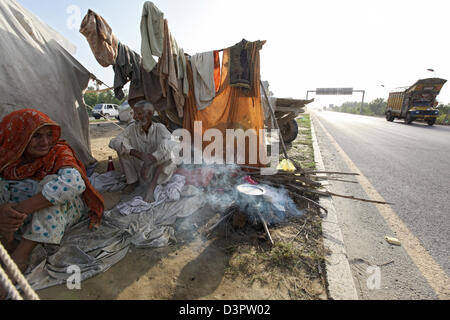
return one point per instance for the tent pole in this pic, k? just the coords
(272, 112)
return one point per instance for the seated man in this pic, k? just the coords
(144, 151)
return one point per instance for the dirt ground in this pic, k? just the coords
(226, 264)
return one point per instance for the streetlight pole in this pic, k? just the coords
(432, 70)
(362, 102)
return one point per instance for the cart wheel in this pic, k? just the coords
(289, 131)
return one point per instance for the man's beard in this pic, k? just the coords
(142, 124)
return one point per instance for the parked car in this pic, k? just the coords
(105, 110)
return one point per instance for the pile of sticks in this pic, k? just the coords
(307, 184)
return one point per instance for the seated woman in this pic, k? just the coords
(44, 188)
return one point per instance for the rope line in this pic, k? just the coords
(8, 285)
(16, 276)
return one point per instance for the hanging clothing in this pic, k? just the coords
(217, 70)
(172, 87)
(232, 108)
(127, 68)
(203, 77)
(100, 37)
(240, 65)
(158, 142)
(16, 130)
(152, 89)
(181, 71)
(152, 34)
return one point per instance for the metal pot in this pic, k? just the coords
(249, 196)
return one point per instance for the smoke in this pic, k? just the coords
(275, 206)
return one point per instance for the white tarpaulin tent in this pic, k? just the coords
(37, 70)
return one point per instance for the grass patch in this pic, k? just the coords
(305, 121)
(302, 148)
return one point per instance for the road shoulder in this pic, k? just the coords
(339, 275)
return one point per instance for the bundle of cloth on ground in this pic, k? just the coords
(111, 181)
(171, 191)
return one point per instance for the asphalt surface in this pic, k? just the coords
(409, 166)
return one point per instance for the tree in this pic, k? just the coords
(378, 106)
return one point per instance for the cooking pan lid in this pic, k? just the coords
(251, 190)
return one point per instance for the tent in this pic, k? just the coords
(37, 70)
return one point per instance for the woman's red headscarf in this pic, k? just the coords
(16, 131)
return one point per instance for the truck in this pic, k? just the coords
(415, 103)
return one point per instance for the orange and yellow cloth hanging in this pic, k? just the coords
(232, 108)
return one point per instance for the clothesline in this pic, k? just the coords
(262, 41)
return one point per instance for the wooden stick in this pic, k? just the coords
(321, 193)
(359, 199)
(302, 172)
(329, 172)
(311, 201)
(220, 221)
(333, 179)
(275, 121)
(265, 227)
(285, 180)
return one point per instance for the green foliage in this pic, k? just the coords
(378, 106)
(444, 114)
(374, 108)
(93, 98)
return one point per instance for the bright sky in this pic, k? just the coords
(310, 44)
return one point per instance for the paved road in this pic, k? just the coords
(409, 166)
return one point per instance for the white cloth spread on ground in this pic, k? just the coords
(158, 142)
(171, 191)
(111, 181)
(203, 76)
(135, 205)
(96, 251)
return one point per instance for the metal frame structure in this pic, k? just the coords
(337, 90)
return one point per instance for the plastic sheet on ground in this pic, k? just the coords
(94, 252)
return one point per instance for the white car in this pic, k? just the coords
(105, 110)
